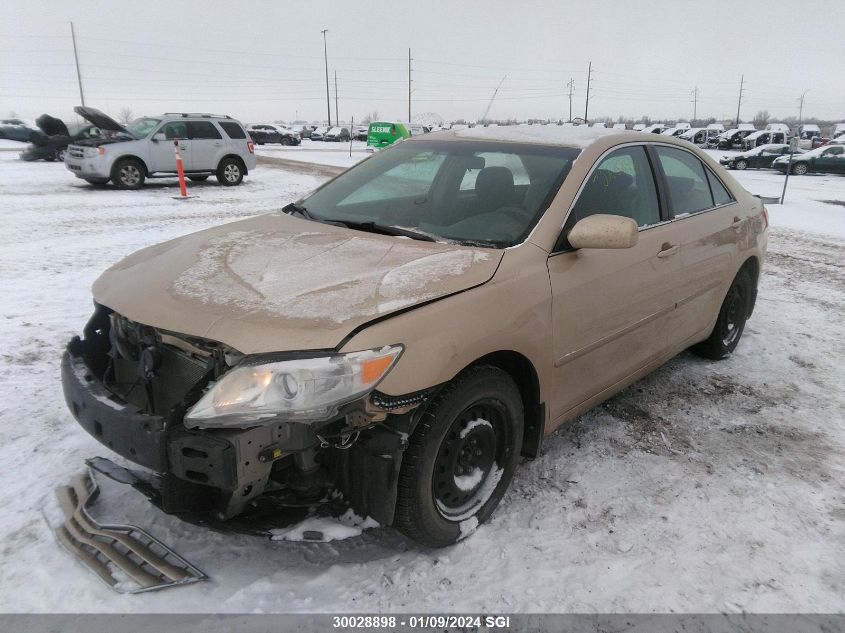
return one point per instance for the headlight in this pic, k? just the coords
(304, 389)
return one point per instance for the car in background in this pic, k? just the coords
(18, 130)
(732, 139)
(337, 135)
(318, 133)
(209, 145)
(654, 128)
(262, 133)
(674, 131)
(807, 135)
(774, 133)
(400, 338)
(638, 127)
(695, 135)
(829, 159)
(359, 132)
(384, 133)
(760, 157)
(53, 142)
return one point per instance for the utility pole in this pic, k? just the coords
(587, 104)
(326, 57)
(336, 111)
(76, 59)
(739, 101)
(801, 106)
(409, 85)
(695, 104)
(571, 86)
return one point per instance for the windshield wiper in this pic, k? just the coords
(298, 209)
(385, 229)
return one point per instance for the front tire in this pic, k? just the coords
(197, 178)
(741, 164)
(799, 169)
(230, 172)
(731, 320)
(128, 173)
(461, 457)
(60, 154)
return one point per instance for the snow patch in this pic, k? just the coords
(468, 482)
(326, 529)
(475, 424)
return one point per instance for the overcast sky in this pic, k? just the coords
(264, 60)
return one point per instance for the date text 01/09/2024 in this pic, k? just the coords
(420, 621)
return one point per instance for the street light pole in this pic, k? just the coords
(326, 57)
(801, 106)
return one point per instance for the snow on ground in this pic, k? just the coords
(707, 486)
(336, 154)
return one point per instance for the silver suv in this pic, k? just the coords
(209, 145)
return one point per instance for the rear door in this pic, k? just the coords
(707, 226)
(162, 154)
(207, 146)
(610, 307)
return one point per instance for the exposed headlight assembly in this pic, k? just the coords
(301, 389)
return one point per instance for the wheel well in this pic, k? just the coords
(143, 164)
(522, 371)
(752, 265)
(237, 158)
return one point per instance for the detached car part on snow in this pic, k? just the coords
(401, 336)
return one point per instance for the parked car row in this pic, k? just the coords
(828, 159)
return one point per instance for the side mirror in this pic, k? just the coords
(604, 231)
(159, 136)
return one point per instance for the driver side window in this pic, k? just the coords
(622, 184)
(174, 130)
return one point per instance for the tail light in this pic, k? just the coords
(251, 147)
(765, 215)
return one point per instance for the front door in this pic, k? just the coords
(832, 160)
(610, 307)
(162, 153)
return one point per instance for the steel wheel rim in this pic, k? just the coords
(467, 466)
(231, 172)
(129, 175)
(734, 312)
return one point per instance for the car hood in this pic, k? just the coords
(100, 119)
(278, 283)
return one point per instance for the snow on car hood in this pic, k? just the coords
(276, 283)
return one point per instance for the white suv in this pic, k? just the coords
(209, 145)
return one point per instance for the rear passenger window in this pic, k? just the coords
(232, 129)
(689, 190)
(202, 130)
(720, 194)
(622, 184)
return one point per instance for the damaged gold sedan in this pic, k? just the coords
(396, 340)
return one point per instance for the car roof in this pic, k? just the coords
(565, 136)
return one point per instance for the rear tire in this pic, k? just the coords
(741, 164)
(799, 169)
(461, 457)
(61, 153)
(731, 320)
(230, 172)
(128, 173)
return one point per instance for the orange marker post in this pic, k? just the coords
(183, 189)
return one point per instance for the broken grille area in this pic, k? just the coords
(125, 557)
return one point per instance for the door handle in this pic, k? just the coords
(218, 144)
(667, 250)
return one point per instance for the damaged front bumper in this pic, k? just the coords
(223, 473)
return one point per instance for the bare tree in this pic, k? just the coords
(761, 118)
(125, 115)
(369, 118)
(12, 114)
